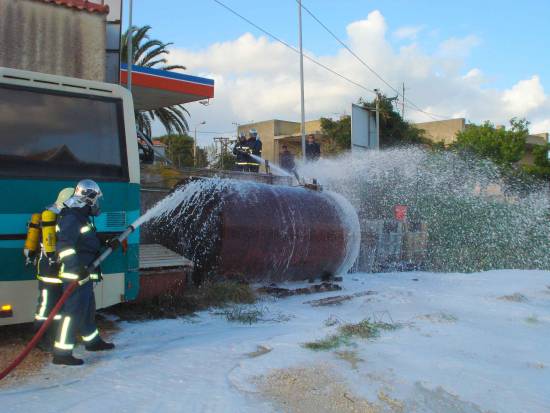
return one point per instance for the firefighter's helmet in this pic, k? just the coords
(86, 192)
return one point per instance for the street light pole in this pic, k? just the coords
(195, 149)
(303, 123)
(129, 48)
(195, 144)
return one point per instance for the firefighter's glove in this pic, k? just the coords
(83, 273)
(97, 276)
(30, 257)
(52, 258)
(114, 244)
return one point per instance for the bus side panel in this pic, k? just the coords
(120, 207)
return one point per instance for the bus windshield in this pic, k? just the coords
(47, 134)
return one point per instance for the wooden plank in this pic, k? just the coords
(158, 256)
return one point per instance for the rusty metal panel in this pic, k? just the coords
(256, 232)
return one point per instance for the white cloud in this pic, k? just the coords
(524, 96)
(541, 126)
(258, 79)
(474, 75)
(458, 47)
(408, 32)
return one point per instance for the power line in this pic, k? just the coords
(414, 106)
(311, 59)
(218, 133)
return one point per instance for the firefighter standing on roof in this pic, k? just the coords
(241, 151)
(78, 245)
(42, 228)
(255, 145)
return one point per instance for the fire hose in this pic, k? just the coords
(66, 294)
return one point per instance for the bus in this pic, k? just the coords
(55, 131)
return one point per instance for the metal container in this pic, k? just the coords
(258, 232)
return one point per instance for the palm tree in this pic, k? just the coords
(152, 53)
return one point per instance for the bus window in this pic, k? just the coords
(47, 134)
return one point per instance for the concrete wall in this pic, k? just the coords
(274, 132)
(532, 141)
(443, 130)
(266, 130)
(47, 38)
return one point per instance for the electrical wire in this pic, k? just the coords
(411, 105)
(216, 133)
(311, 59)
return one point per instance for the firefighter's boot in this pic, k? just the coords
(67, 360)
(100, 345)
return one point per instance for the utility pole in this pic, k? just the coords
(377, 146)
(303, 125)
(129, 49)
(403, 102)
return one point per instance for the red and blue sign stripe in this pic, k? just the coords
(170, 81)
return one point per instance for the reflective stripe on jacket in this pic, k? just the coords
(77, 243)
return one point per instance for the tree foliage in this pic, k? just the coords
(202, 158)
(541, 167)
(179, 149)
(224, 161)
(394, 131)
(152, 53)
(338, 132)
(504, 147)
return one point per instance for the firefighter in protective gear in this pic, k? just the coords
(42, 227)
(78, 245)
(242, 151)
(255, 146)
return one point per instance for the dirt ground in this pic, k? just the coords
(317, 389)
(13, 340)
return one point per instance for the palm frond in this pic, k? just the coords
(154, 63)
(168, 117)
(140, 33)
(173, 67)
(179, 115)
(165, 120)
(151, 54)
(143, 48)
(143, 123)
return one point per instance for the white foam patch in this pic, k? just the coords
(350, 221)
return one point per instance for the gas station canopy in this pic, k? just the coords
(154, 88)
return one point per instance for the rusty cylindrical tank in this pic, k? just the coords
(258, 232)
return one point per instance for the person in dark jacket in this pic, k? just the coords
(78, 245)
(255, 145)
(241, 150)
(286, 159)
(313, 150)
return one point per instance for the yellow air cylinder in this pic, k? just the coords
(33, 233)
(49, 219)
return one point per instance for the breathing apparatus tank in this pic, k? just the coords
(49, 219)
(33, 234)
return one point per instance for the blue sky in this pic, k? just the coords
(507, 52)
(514, 36)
